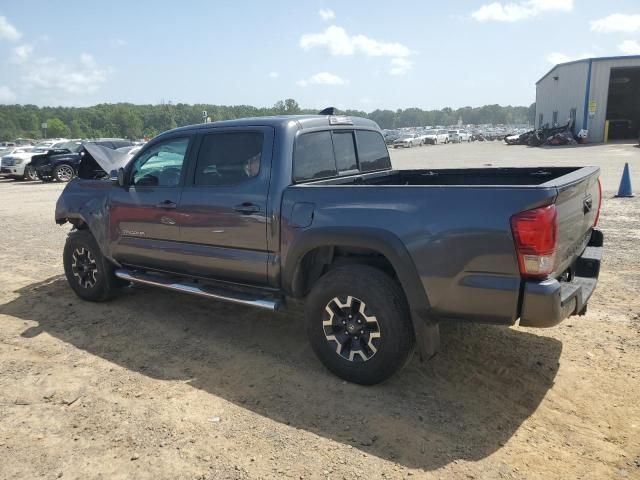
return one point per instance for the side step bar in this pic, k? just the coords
(264, 302)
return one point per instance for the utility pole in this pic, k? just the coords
(44, 129)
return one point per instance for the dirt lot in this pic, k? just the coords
(160, 385)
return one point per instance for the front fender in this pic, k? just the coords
(84, 203)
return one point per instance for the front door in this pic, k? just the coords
(143, 221)
(223, 209)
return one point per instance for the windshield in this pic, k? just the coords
(73, 147)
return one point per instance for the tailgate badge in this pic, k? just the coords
(587, 204)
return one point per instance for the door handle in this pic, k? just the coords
(247, 208)
(167, 204)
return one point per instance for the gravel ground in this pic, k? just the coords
(161, 385)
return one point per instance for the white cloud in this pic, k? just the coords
(557, 57)
(400, 66)
(340, 43)
(8, 31)
(514, 12)
(274, 74)
(322, 78)
(630, 47)
(79, 78)
(617, 22)
(21, 54)
(326, 14)
(6, 95)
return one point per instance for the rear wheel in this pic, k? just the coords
(63, 172)
(359, 324)
(30, 173)
(88, 272)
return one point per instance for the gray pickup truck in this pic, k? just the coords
(260, 210)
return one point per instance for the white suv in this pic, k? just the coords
(459, 136)
(15, 162)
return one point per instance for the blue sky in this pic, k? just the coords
(357, 54)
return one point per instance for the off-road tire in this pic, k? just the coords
(103, 284)
(384, 300)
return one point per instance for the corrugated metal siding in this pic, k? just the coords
(570, 89)
(599, 92)
(563, 94)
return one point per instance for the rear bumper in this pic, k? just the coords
(548, 302)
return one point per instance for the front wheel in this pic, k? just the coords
(64, 173)
(88, 272)
(359, 324)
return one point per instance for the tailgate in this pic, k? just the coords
(577, 204)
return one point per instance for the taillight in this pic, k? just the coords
(535, 233)
(595, 223)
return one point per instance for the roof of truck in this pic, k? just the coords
(303, 121)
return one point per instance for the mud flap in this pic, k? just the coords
(427, 338)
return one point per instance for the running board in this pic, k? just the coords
(207, 291)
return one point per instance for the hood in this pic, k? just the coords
(106, 158)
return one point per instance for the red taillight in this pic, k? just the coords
(535, 233)
(595, 223)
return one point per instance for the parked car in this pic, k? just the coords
(61, 163)
(16, 164)
(311, 209)
(407, 140)
(436, 136)
(459, 136)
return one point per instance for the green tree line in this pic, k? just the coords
(137, 121)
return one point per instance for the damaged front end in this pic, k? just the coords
(85, 200)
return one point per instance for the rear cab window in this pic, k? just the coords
(330, 153)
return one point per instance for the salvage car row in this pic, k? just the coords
(410, 139)
(51, 160)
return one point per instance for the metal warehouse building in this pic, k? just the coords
(592, 91)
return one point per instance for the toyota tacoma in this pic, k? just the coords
(257, 211)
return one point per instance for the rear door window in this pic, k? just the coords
(229, 158)
(313, 157)
(372, 151)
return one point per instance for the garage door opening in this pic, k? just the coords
(623, 105)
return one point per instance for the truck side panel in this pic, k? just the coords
(458, 238)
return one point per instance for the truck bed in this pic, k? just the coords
(456, 225)
(463, 177)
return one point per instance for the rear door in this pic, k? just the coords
(223, 209)
(144, 225)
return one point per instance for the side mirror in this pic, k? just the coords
(121, 179)
(117, 177)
